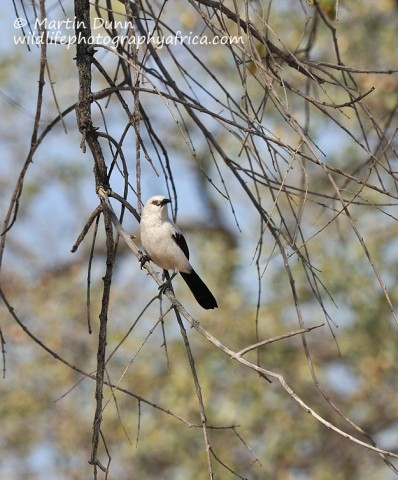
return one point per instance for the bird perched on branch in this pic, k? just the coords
(166, 247)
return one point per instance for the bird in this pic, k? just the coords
(166, 246)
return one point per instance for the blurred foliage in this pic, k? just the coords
(257, 430)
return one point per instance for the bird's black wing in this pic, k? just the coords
(181, 242)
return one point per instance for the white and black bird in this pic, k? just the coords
(166, 246)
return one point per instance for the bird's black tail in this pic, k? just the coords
(199, 289)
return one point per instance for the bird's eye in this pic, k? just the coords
(154, 202)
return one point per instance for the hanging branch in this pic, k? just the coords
(84, 55)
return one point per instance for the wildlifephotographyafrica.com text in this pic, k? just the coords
(68, 32)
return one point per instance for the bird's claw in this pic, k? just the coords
(164, 287)
(143, 259)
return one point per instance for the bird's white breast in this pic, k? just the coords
(157, 239)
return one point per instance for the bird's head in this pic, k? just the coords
(157, 205)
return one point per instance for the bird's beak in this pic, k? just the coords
(165, 201)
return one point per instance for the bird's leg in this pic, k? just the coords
(143, 259)
(167, 283)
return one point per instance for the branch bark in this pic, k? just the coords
(84, 58)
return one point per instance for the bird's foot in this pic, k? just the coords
(143, 259)
(167, 284)
(164, 287)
